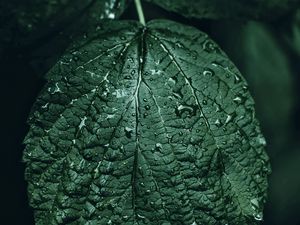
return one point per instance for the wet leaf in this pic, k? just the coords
(145, 125)
(216, 9)
(266, 66)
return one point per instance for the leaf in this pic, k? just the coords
(266, 66)
(35, 19)
(292, 34)
(218, 9)
(145, 125)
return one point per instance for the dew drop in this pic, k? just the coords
(237, 100)
(208, 72)
(228, 119)
(45, 106)
(237, 78)
(185, 108)
(82, 122)
(258, 216)
(128, 132)
(262, 141)
(172, 80)
(245, 87)
(218, 123)
(178, 44)
(158, 147)
(208, 46)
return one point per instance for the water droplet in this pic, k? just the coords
(208, 46)
(262, 141)
(258, 216)
(155, 72)
(228, 119)
(218, 123)
(147, 107)
(130, 59)
(128, 132)
(185, 108)
(208, 72)
(178, 44)
(178, 94)
(45, 106)
(172, 81)
(158, 146)
(237, 100)
(82, 122)
(56, 89)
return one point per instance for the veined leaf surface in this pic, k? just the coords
(145, 125)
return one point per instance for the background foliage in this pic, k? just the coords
(267, 53)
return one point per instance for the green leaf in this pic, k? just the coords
(292, 34)
(35, 19)
(145, 125)
(216, 9)
(266, 66)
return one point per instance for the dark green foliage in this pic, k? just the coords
(292, 37)
(42, 30)
(237, 9)
(145, 125)
(39, 18)
(265, 64)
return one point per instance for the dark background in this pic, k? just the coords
(268, 55)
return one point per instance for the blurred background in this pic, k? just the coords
(267, 53)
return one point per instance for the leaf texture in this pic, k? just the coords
(216, 9)
(145, 125)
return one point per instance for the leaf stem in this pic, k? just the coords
(140, 12)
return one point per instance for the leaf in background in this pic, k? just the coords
(217, 9)
(259, 51)
(292, 37)
(145, 125)
(35, 19)
(42, 30)
(266, 66)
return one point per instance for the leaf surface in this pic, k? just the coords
(216, 9)
(267, 68)
(145, 125)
